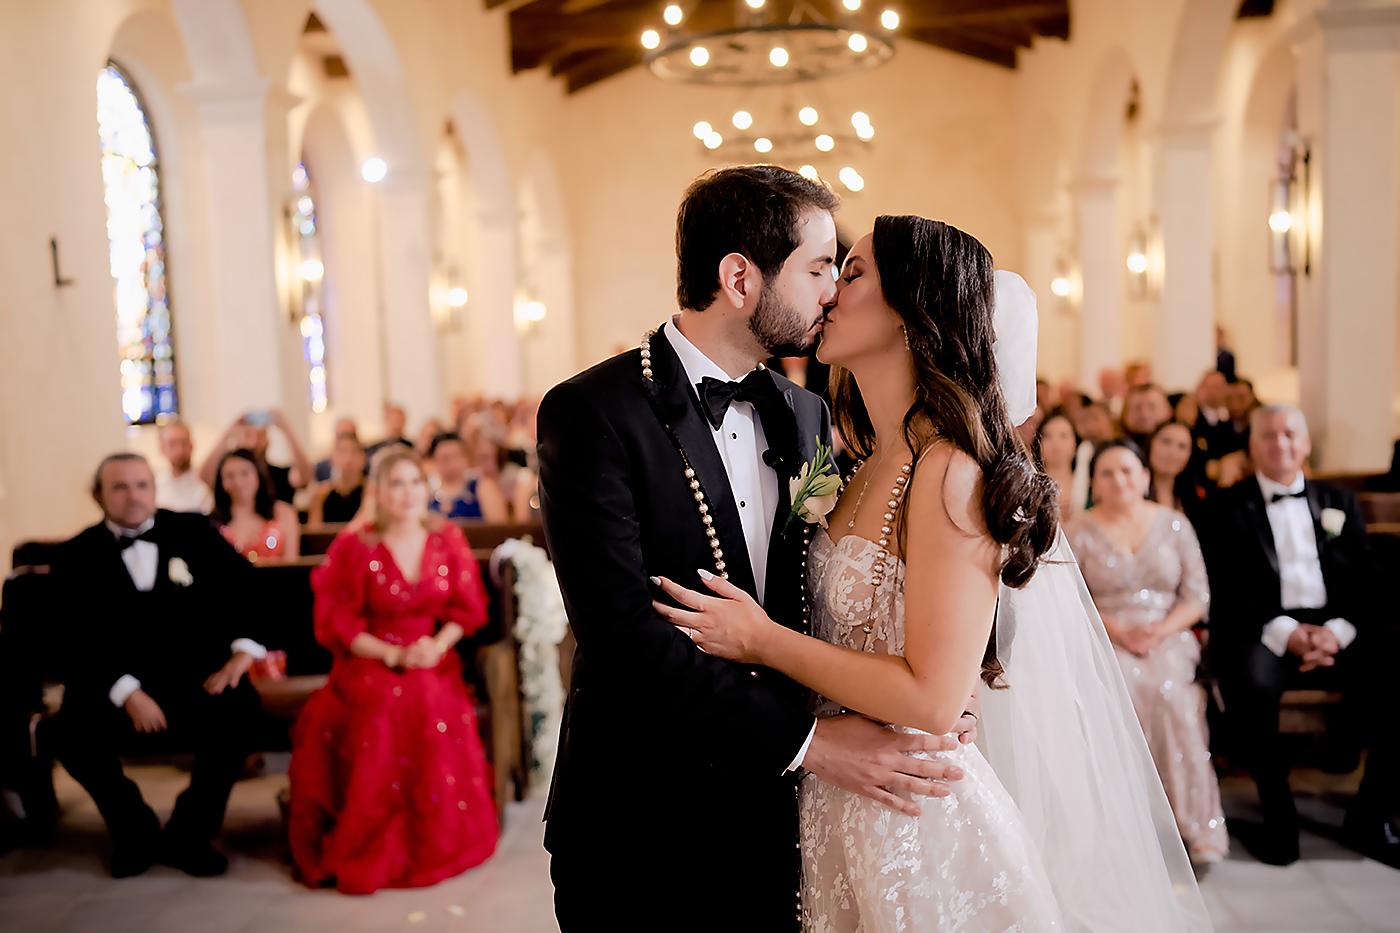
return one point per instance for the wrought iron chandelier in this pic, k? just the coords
(771, 52)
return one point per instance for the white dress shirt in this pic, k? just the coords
(741, 444)
(142, 560)
(1299, 565)
(183, 493)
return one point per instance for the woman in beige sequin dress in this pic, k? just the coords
(1143, 565)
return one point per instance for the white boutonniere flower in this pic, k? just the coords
(813, 491)
(1333, 521)
(179, 572)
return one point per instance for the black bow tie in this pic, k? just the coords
(126, 541)
(717, 395)
(1280, 496)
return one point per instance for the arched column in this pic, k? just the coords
(1101, 271)
(244, 306)
(1348, 319)
(1183, 338)
(409, 341)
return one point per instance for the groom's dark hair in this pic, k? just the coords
(752, 210)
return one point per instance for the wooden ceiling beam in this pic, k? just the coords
(598, 68)
(955, 40)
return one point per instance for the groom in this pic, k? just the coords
(673, 803)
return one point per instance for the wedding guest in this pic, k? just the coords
(1224, 356)
(250, 432)
(426, 434)
(1028, 428)
(1173, 477)
(1144, 411)
(462, 489)
(1185, 409)
(1065, 459)
(344, 427)
(258, 525)
(339, 498)
(1297, 609)
(395, 424)
(1094, 423)
(179, 488)
(1113, 389)
(390, 787)
(160, 617)
(1144, 568)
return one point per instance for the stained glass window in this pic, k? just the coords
(136, 250)
(312, 273)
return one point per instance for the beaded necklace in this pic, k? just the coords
(702, 502)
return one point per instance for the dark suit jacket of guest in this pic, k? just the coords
(173, 636)
(1244, 571)
(664, 749)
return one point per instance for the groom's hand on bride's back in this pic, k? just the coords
(865, 758)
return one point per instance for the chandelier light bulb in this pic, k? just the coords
(858, 43)
(763, 144)
(374, 169)
(713, 140)
(825, 143)
(1137, 262)
(651, 39)
(702, 129)
(851, 5)
(866, 132)
(1060, 286)
(890, 20)
(673, 15)
(699, 56)
(808, 172)
(742, 120)
(755, 4)
(778, 57)
(851, 178)
(807, 116)
(457, 297)
(860, 118)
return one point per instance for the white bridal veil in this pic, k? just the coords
(1063, 738)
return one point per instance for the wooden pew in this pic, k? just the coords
(288, 585)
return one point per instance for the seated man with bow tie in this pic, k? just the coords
(1293, 608)
(158, 645)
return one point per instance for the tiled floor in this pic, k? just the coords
(66, 888)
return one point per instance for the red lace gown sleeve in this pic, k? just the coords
(466, 601)
(339, 586)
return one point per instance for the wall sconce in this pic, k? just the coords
(1062, 285)
(1290, 247)
(1137, 262)
(529, 313)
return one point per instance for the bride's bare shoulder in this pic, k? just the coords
(948, 489)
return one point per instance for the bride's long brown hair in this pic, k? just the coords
(939, 280)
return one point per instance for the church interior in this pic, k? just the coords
(285, 225)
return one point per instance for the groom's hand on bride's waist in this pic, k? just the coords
(866, 758)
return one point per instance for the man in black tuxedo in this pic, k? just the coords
(158, 603)
(673, 802)
(1293, 607)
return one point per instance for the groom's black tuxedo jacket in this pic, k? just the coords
(668, 755)
(1242, 560)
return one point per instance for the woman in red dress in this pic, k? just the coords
(390, 787)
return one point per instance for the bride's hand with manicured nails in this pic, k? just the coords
(728, 624)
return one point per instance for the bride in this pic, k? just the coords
(942, 565)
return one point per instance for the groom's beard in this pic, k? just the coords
(778, 327)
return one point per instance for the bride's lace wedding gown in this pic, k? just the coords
(966, 864)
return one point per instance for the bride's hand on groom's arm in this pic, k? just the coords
(863, 757)
(728, 624)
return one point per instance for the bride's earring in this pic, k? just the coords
(903, 330)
